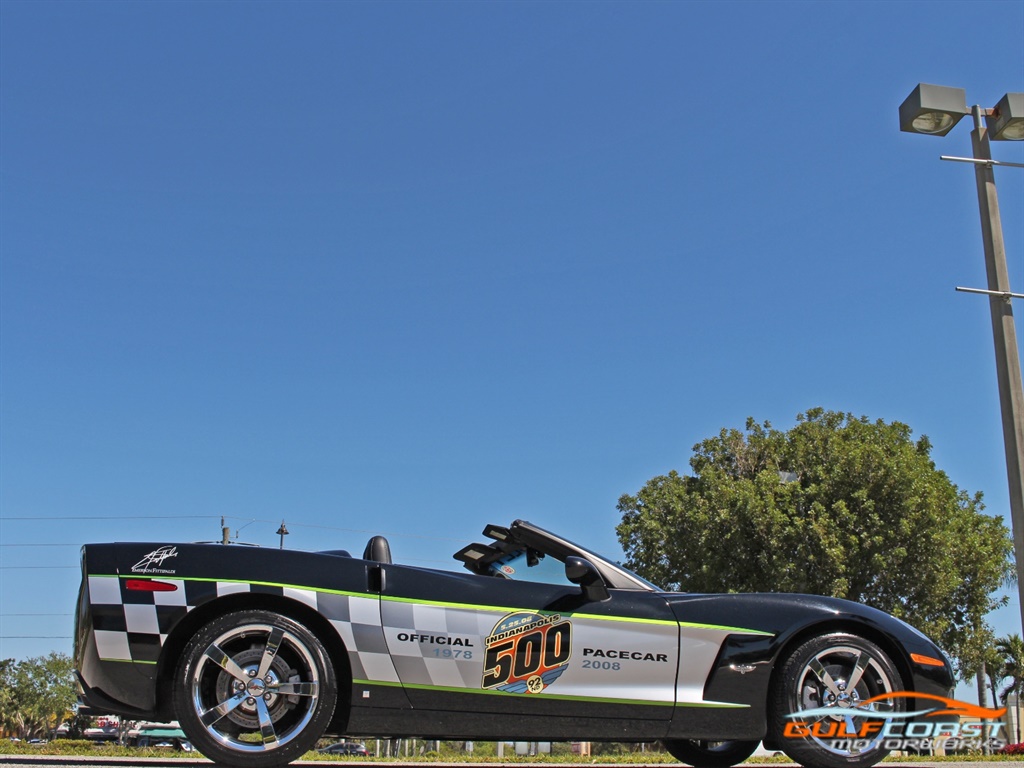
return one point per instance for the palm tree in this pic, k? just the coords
(1011, 648)
(994, 664)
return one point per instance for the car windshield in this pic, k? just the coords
(526, 552)
(545, 570)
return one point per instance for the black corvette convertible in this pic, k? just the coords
(260, 652)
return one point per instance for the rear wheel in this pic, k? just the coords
(254, 688)
(841, 681)
(710, 754)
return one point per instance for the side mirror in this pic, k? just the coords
(581, 571)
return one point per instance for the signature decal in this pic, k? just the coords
(152, 562)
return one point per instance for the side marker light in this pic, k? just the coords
(149, 585)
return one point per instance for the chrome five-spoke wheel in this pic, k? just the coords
(832, 693)
(254, 688)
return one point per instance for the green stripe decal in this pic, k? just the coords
(204, 580)
(721, 628)
(510, 609)
(457, 606)
(592, 616)
(382, 683)
(557, 697)
(554, 696)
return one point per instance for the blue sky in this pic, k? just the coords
(409, 268)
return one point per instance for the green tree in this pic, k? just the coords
(837, 506)
(9, 720)
(985, 663)
(1011, 648)
(36, 694)
(980, 659)
(995, 671)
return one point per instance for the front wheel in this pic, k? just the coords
(710, 754)
(254, 689)
(832, 693)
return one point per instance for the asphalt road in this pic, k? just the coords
(31, 761)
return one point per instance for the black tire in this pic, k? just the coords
(818, 675)
(710, 754)
(254, 689)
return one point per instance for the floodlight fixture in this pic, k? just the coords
(933, 109)
(1006, 123)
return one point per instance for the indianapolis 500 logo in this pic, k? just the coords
(526, 652)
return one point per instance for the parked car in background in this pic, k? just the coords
(345, 748)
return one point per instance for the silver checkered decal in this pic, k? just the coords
(421, 645)
(128, 626)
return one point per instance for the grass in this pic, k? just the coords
(83, 747)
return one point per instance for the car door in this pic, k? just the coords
(462, 642)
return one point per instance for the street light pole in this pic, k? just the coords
(1004, 335)
(935, 110)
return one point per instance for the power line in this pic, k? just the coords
(215, 517)
(125, 518)
(37, 567)
(114, 517)
(351, 530)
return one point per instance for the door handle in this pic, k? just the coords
(376, 579)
